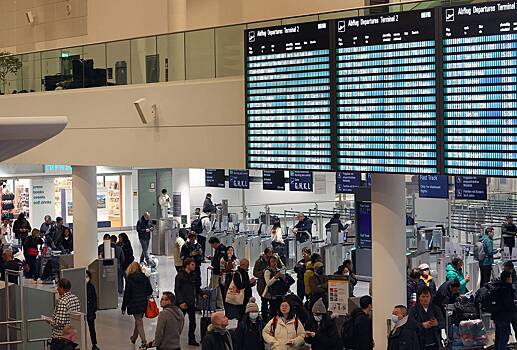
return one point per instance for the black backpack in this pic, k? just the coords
(197, 226)
(347, 332)
(492, 301)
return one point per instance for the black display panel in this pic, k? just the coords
(300, 181)
(433, 186)
(239, 179)
(470, 187)
(214, 178)
(288, 98)
(364, 224)
(273, 180)
(386, 93)
(347, 182)
(480, 90)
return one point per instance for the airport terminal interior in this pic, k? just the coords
(331, 174)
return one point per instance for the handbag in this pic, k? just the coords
(152, 309)
(234, 295)
(33, 252)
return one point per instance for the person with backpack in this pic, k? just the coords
(357, 331)
(429, 319)
(404, 332)
(484, 253)
(455, 272)
(321, 330)
(284, 331)
(277, 285)
(215, 266)
(502, 309)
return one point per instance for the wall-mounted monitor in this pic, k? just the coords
(433, 186)
(470, 187)
(347, 182)
(214, 178)
(273, 180)
(239, 179)
(364, 224)
(300, 181)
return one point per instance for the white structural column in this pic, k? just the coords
(84, 194)
(388, 250)
(181, 183)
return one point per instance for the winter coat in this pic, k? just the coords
(318, 286)
(508, 232)
(404, 336)
(363, 330)
(242, 281)
(328, 225)
(305, 225)
(444, 296)
(169, 327)
(488, 247)
(431, 335)
(429, 282)
(141, 226)
(504, 292)
(453, 274)
(129, 256)
(411, 288)
(137, 293)
(309, 272)
(66, 244)
(248, 335)
(258, 272)
(284, 332)
(208, 206)
(185, 288)
(189, 248)
(327, 336)
(91, 301)
(217, 340)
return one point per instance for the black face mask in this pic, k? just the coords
(320, 271)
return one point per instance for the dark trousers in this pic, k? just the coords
(31, 261)
(502, 334)
(145, 247)
(191, 311)
(274, 305)
(486, 273)
(300, 289)
(93, 333)
(120, 276)
(264, 307)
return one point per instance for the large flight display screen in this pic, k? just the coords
(480, 89)
(386, 93)
(288, 97)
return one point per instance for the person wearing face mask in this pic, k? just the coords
(425, 278)
(404, 331)
(321, 330)
(248, 335)
(91, 309)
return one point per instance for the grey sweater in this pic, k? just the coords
(169, 327)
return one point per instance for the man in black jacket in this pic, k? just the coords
(185, 290)
(300, 268)
(429, 319)
(336, 219)
(508, 232)
(91, 309)
(504, 309)
(447, 294)
(303, 228)
(217, 336)
(215, 266)
(404, 334)
(144, 228)
(321, 329)
(362, 320)
(192, 249)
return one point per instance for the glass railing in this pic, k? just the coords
(198, 54)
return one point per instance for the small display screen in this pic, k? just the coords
(239, 179)
(470, 187)
(300, 181)
(364, 226)
(273, 180)
(214, 178)
(347, 182)
(433, 186)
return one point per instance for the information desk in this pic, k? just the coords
(288, 122)
(386, 93)
(480, 90)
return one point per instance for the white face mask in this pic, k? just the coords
(394, 319)
(87, 279)
(253, 316)
(318, 318)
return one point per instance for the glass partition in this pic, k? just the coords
(229, 49)
(118, 55)
(200, 54)
(95, 73)
(171, 52)
(145, 66)
(13, 82)
(51, 69)
(31, 72)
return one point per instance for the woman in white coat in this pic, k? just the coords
(284, 331)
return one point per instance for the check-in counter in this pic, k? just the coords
(254, 248)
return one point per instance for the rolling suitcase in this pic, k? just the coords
(207, 299)
(206, 320)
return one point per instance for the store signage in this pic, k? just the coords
(176, 204)
(57, 169)
(364, 226)
(347, 182)
(42, 199)
(273, 180)
(471, 187)
(239, 179)
(300, 181)
(214, 178)
(433, 186)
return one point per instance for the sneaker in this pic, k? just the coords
(193, 343)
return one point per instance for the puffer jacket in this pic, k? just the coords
(488, 247)
(309, 272)
(453, 274)
(137, 293)
(283, 333)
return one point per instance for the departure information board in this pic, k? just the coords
(239, 179)
(470, 187)
(288, 123)
(480, 90)
(386, 93)
(214, 178)
(433, 186)
(273, 180)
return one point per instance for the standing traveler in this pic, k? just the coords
(347, 270)
(242, 281)
(321, 330)
(425, 278)
(10, 264)
(55, 233)
(21, 228)
(31, 252)
(215, 266)
(248, 335)
(217, 336)
(300, 269)
(362, 324)
(412, 286)
(455, 272)
(6, 231)
(208, 206)
(404, 332)
(504, 309)
(186, 291)
(229, 263)
(277, 242)
(144, 228)
(259, 268)
(309, 272)
(136, 296)
(303, 228)
(66, 244)
(66, 304)
(429, 319)
(284, 331)
(121, 259)
(319, 284)
(127, 249)
(180, 241)
(192, 249)
(46, 225)
(277, 285)
(91, 309)
(170, 324)
(447, 294)
(508, 232)
(165, 203)
(67, 341)
(336, 219)
(485, 264)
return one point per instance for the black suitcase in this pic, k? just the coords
(206, 320)
(207, 299)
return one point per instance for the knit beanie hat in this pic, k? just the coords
(319, 307)
(252, 306)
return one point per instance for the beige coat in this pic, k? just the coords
(283, 334)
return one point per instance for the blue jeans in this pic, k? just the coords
(145, 247)
(502, 334)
